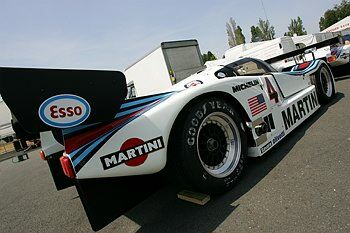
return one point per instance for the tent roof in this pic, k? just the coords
(339, 26)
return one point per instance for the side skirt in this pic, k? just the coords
(290, 115)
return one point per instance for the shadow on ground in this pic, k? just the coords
(163, 212)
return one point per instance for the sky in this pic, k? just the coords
(112, 34)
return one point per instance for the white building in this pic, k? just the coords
(5, 120)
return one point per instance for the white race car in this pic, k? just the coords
(340, 53)
(201, 130)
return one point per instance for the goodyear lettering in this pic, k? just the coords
(244, 86)
(299, 110)
(195, 121)
(123, 156)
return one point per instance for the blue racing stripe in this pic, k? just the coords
(71, 155)
(90, 148)
(76, 128)
(101, 139)
(120, 114)
(136, 102)
(312, 66)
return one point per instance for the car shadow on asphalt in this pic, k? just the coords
(163, 212)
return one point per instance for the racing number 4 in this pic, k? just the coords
(271, 91)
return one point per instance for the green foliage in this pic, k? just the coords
(234, 33)
(332, 16)
(264, 31)
(208, 57)
(267, 30)
(256, 34)
(296, 27)
(240, 38)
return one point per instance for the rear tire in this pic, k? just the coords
(324, 85)
(210, 148)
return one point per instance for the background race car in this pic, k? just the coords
(340, 53)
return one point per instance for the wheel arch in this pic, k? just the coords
(325, 64)
(218, 94)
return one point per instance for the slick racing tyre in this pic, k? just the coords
(211, 146)
(324, 85)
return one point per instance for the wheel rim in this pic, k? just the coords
(218, 144)
(326, 82)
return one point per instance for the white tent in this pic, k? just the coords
(339, 26)
(5, 120)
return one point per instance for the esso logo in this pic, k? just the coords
(62, 111)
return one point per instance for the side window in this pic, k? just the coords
(245, 67)
(250, 67)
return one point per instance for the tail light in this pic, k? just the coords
(67, 167)
(331, 59)
(42, 155)
(304, 65)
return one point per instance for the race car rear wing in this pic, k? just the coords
(25, 90)
(294, 53)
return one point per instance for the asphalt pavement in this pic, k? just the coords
(302, 185)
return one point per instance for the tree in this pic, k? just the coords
(296, 27)
(264, 31)
(208, 57)
(234, 33)
(230, 29)
(267, 30)
(332, 16)
(256, 34)
(240, 38)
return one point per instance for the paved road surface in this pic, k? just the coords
(303, 185)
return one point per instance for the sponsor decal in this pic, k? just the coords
(193, 83)
(257, 104)
(266, 147)
(273, 142)
(133, 152)
(244, 86)
(299, 110)
(278, 137)
(62, 111)
(269, 122)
